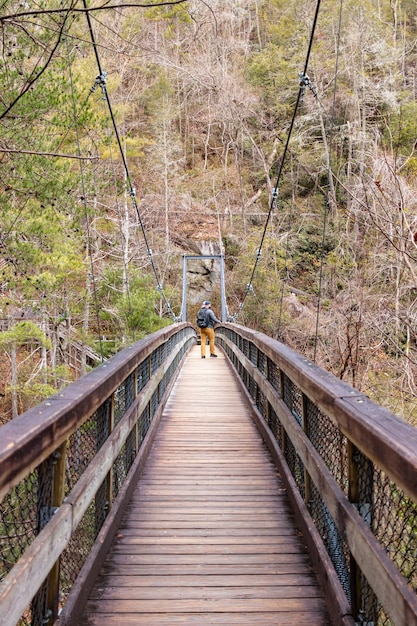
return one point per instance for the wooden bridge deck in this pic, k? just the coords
(208, 537)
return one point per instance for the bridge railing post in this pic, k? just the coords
(281, 396)
(360, 493)
(62, 466)
(304, 418)
(353, 494)
(353, 463)
(135, 430)
(130, 444)
(58, 494)
(109, 478)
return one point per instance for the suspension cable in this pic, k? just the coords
(303, 82)
(284, 279)
(101, 81)
(126, 284)
(330, 175)
(84, 196)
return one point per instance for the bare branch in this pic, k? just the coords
(52, 154)
(41, 71)
(103, 7)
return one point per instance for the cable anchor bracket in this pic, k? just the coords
(304, 81)
(100, 81)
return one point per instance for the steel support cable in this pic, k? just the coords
(249, 288)
(122, 236)
(89, 246)
(101, 80)
(287, 246)
(119, 218)
(330, 175)
(304, 80)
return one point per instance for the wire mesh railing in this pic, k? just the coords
(64, 463)
(354, 467)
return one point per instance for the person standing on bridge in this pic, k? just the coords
(205, 321)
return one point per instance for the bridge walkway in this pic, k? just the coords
(209, 536)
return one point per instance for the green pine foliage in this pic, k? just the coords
(203, 96)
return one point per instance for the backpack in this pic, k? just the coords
(202, 318)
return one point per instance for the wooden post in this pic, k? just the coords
(103, 497)
(135, 427)
(58, 495)
(283, 431)
(130, 444)
(109, 479)
(307, 479)
(355, 573)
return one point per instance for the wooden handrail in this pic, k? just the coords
(31, 437)
(385, 438)
(386, 442)
(40, 433)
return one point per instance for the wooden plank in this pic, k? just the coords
(209, 559)
(200, 619)
(204, 580)
(133, 542)
(208, 537)
(210, 512)
(118, 567)
(130, 594)
(203, 513)
(179, 568)
(208, 604)
(251, 531)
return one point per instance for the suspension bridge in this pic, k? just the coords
(255, 488)
(161, 488)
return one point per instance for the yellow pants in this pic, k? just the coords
(207, 332)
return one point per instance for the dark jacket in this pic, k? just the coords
(211, 318)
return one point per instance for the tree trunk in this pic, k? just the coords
(14, 381)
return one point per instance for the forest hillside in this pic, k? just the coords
(280, 134)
